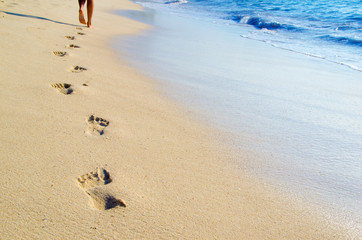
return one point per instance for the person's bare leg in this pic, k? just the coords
(81, 13)
(90, 8)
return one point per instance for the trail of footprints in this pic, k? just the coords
(93, 183)
(65, 88)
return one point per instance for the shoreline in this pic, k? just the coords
(173, 178)
(225, 91)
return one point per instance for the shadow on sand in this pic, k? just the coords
(40, 18)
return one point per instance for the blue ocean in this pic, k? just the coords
(328, 29)
(283, 79)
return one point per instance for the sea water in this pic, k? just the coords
(329, 29)
(282, 92)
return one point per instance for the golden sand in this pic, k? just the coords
(113, 158)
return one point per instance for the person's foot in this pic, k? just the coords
(89, 25)
(81, 17)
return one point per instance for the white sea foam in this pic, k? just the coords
(327, 28)
(176, 2)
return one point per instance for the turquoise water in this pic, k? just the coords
(301, 115)
(328, 29)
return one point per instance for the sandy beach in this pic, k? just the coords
(91, 150)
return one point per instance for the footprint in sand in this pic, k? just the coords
(72, 46)
(79, 28)
(63, 87)
(80, 33)
(92, 183)
(70, 37)
(59, 53)
(78, 69)
(96, 124)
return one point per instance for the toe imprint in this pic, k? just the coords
(72, 46)
(59, 54)
(78, 69)
(63, 87)
(70, 37)
(97, 124)
(95, 178)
